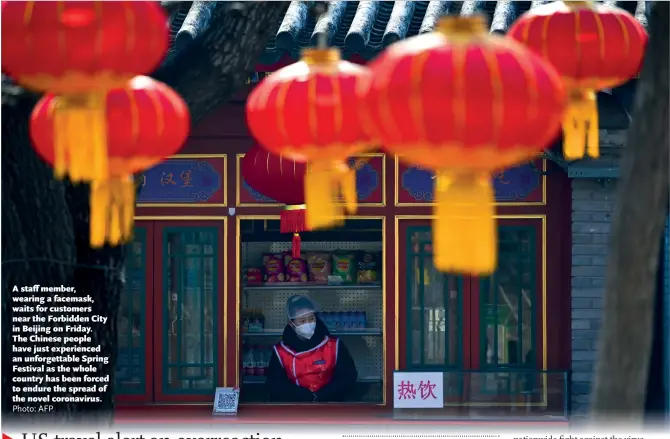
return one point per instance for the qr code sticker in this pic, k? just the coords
(226, 402)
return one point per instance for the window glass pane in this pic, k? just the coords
(190, 297)
(434, 317)
(130, 376)
(507, 301)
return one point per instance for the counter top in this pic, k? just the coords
(314, 414)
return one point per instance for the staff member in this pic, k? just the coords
(309, 365)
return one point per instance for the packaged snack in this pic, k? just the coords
(288, 256)
(267, 256)
(296, 270)
(319, 267)
(253, 276)
(344, 266)
(274, 268)
(368, 268)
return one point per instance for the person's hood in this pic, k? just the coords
(298, 344)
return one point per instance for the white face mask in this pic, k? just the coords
(306, 330)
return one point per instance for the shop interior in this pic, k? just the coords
(340, 270)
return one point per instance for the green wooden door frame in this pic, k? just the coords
(466, 316)
(130, 363)
(181, 272)
(484, 283)
(461, 314)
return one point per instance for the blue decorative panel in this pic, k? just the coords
(185, 181)
(519, 184)
(367, 179)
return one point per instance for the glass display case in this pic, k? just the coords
(340, 271)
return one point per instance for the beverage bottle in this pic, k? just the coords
(346, 321)
(338, 317)
(269, 352)
(356, 321)
(364, 319)
(244, 356)
(249, 362)
(259, 362)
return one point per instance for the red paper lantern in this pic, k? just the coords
(147, 121)
(79, 46)
(283, 180)
(592, 46)
(308, 112)
(465, 104)
(79, 50)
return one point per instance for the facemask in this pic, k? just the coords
(306, 330)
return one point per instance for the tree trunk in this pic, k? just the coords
(626, 335)
(45, 221)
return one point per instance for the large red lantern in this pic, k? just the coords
(146, 122)
(465, 104)
(283, 180)
(593, 46)
(78, 50)
(308, 112)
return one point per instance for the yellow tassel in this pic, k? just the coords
(580, 126)
(112, 211)
(321, 197)
(346, 181)
(80, 137)
(464, 231)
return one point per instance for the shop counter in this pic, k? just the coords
(316, 414)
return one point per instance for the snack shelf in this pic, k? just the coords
(307, 287)
(375, 332)
(261, 380)
(348, 303)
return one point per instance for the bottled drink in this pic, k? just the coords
(339, 320)
(248, 362)
(259, 361)
(363, 320)
(356, 320)
(269, 352)
(244, 355)
(325, 318)
(347, 321)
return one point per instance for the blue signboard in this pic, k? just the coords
(514, 184)
(181, 181)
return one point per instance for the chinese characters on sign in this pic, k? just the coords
(184, 181)
(418, 390)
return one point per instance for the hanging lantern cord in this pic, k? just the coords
(319, 11)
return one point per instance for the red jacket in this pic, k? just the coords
(311, 369)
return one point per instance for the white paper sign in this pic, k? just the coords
(226, 400)
(418, 390)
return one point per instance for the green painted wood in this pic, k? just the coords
(502, 316)
(190, 309)
(130, 374)
(418, 289)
